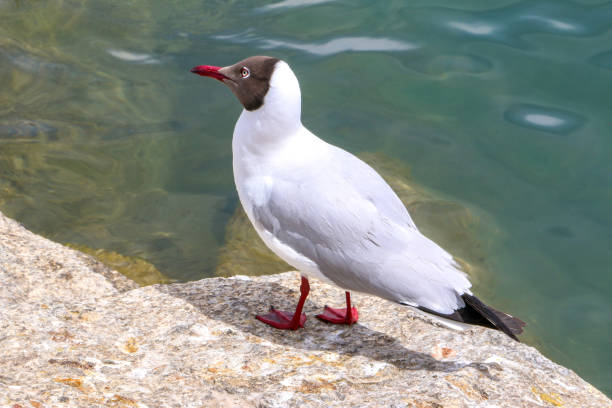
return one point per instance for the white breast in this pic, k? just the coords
(267, 144)
(255, 175)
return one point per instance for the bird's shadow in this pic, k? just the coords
(236, 302)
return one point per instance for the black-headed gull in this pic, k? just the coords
(330, 215)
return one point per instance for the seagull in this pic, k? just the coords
(330, 215)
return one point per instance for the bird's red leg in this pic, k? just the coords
(340, 316)
(286, 320)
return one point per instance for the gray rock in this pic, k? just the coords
(76, 334)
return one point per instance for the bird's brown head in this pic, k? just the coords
(248, 79)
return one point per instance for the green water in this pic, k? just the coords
(504, 107)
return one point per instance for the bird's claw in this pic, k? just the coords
(282, 320)
(339, 316)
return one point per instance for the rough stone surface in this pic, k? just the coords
(75, 334)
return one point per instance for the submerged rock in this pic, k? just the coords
(450, 224)
(137, 269)
(74, 333)
(27, 130)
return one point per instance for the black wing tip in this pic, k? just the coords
(476, 312)
(508, 324)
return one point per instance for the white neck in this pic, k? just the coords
(277, 119)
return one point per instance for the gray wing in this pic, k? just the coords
(370, 185)
(345, 218)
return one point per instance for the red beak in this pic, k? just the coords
(209, 71)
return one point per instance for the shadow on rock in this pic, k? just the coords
(237, 301)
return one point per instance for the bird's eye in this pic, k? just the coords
(244, 72)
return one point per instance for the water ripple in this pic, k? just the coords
(338, 45)
(293, 4)
(509, 24)
(543, 118)
(457, 63)
(473, 28)
(603, 59)
(334, 46)
(132, 56)
(556, 24)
